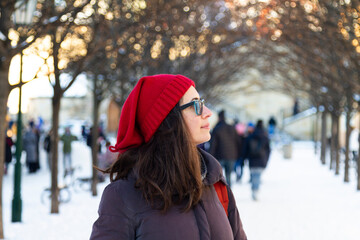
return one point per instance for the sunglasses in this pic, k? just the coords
(198, 106)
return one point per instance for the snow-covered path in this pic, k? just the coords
(299, 199)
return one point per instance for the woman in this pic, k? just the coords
(162, 184)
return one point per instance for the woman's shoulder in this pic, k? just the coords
(122, 195)
(121, 185)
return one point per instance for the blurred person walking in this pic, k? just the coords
(36, 130)
(100, 139)
(109, 156)
(67, 138)
(163, 186)
(257, 150)
(239, 164)
(106, 159)
(296, 107)
(271, 127)
(30, 146)
(84, 132)
(47, 148)
(99, 151)
(250, 127)
(224, 145)
(8, 153)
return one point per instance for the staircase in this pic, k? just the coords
(300, 126)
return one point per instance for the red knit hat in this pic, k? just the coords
(147, 106)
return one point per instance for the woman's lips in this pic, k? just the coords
(206, 126)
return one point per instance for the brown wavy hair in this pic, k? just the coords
(168, 167)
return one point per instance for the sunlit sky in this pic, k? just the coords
(39, 87)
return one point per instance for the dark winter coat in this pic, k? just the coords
(240, 146)
(224, 142)
(30, 146)
(47, 143)
(8, 154)
(124, 214)
(257, 148)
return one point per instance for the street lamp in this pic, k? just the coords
(23, 16)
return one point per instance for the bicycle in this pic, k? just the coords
(83, 183)
(64, 194)
(78, 183)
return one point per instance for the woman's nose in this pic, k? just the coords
(206, 113)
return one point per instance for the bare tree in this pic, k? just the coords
(9, 47)
(69, 43)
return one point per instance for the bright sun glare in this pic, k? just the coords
(31, 65)
(36, 87)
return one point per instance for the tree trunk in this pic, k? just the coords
(358, 158)
(4, 94)
(56, 100)
(333, 140)
(323, 138)
(347, 143)
(337, 145)
(94, 143)
(315, 132)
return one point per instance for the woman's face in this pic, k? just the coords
(198, 125)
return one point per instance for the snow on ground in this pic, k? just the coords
(75, 218)
(299, 199)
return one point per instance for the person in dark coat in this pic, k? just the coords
(257, 151)
(30, 145)
(8, 153)
(101, 137)
(296, 107)
(271, 127)
(162, 185)
(47, 148)
(239, 164)
(224, 145)
(37, 133)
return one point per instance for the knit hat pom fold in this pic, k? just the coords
(147, 106)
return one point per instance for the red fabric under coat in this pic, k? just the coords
(222, 193)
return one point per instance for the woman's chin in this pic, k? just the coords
(203, 140)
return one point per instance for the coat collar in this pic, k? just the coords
(214, 169)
